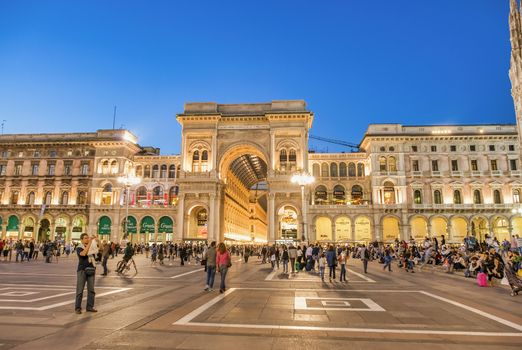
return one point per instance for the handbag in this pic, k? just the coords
(90, 271)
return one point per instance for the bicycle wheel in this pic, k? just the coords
(120, 267)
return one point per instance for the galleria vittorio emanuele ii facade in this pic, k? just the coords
(232, 181)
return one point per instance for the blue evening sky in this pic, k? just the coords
(65, 64)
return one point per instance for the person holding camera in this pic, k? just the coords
(85, 273)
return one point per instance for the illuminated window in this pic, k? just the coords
(417, 197)
(437, 197)
(389, 193)
(477, 197)
(497, 198)
(457, 198)
(107, 195)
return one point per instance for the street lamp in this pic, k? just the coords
(303, 179)
(127, 182)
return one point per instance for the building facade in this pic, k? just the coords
(232, 181)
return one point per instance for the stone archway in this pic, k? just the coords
(243, 170)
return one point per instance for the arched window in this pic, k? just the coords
(333, 169)
(173, 194)
(292, 156)
(107, 195)
(141, 195)
(114, 167)
(497, 198)
(157, 195)
(339, 194)
(351, 170)
(342, 170)
(324, 170)
(437, 197)
(516, 196)
(357, 194)
(382, 164)
(360, 170)
(195, 161)
(389, 193)
(172, 171)
(14, 197)
(457, 197)
(139, 171)
(392, 164)
(164, 171)
(48, 198)
(315, 170)
(321, 196)
(30, 198)
(204, 160)
(82, 198)
(65, 198)
(283, 156)
(477, 197)
(417, 197)
(105, 167)
(155, 171)
(147, 171)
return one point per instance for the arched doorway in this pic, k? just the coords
(198, 224)
(288, 224)
(60, 228)
(419, 228)
(78, 228)
(28, 228)
(516, 223)
(479, 228)
(244, 173)
(439, 227)
(323, 229)
(459, 229)
(390, 229)
(501, 229)
(363, 229)
(148, 229)
(343, 229)
(44, 232)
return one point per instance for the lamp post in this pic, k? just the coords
(127, 182)
(303, 179)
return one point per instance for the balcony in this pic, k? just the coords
(515, 173)
(476, 173)
(436, 173)
(456, 173)
(416, 173)
(496, 172)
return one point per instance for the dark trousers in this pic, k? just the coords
(365, 265)
(104, 264)
(292, 263)
(332, 271)
(81, 280)
(343, 273)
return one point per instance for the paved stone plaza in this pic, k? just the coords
(166, 307)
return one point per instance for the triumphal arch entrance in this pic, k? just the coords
(236, 165)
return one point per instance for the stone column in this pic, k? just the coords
(271, 217)
(180, 222)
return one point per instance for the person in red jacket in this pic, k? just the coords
(223, 262)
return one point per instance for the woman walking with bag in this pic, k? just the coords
(223, 262)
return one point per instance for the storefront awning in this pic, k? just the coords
(104, 226)
(13, 223)
(147, 225)
(132, 225)
(165, 225)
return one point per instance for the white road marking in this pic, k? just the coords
(300, 304)
(187, 273)
(187, 320)
(477, 311)
(52, 306)
(360, 275)
(202, 308)
(272, 274)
